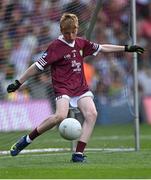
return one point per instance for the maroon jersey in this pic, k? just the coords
(66, 62)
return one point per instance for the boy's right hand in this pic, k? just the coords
(14, 86)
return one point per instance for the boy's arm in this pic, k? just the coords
(31, 71)
(117, 48)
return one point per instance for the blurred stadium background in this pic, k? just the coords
(26, 29)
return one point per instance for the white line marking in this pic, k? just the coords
(120, 137)
(69, 150)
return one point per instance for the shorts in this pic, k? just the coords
(74, 100)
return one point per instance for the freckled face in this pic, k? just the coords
(69, 34)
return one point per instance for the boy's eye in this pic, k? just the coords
(69, 32)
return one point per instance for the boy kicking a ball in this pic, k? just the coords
(66, 55)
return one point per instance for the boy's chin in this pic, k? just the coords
(70, 41)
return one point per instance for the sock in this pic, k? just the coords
(80, 147)
(33, 134)
(28, 139)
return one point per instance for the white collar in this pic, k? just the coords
(69, 44)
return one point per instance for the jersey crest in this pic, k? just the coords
(81, 52)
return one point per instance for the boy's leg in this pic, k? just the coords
(87, 107)
(62, 107)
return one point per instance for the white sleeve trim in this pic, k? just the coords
(39, 66)
(96, 52)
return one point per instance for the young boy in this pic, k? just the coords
(66, 55)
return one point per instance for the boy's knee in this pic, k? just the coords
(60, 117)
(91, 115)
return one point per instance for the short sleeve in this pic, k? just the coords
(91, 48)
(47, 58)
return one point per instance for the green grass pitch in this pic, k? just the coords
(100, 164)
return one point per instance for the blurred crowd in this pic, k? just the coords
(28, 26)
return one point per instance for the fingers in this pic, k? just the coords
(11, 88)
(140, 50)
